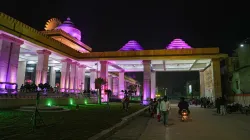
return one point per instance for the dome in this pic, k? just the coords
(70, 28)
(132, 45)
(178, 44)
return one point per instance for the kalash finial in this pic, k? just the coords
(68, 19)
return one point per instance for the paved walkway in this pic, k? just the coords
(205, 125)
(133, 130)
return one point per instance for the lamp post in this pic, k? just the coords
(245, 41)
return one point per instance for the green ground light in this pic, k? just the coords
(85, 102)
(49, 103)
(71, 102)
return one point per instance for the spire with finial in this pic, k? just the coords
(68, 19)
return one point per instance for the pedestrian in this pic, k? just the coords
(217, 104)
(165, 108)
(222, 106)
(158, 110)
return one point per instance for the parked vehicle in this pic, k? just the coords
(234, 108)
(247, 110)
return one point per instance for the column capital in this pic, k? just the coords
(45, 52)
(67, 60)
(104, 62)
(78, 64)
(92, 70)
(146, 62)
(11, 39)
(74, 63)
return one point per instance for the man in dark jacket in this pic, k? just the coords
(217, 104)
(183, 105)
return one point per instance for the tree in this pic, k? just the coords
(132, 89)
(99, 82)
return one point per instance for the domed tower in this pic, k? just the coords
(66, 33)
(69, 27)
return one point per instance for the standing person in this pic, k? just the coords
(217, 104)
(165, 108)
(158, 110)
(222, 106)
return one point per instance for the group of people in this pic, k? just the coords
(206, 102)
(161, 108)
(220, 104)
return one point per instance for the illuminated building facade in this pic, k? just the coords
(58, 56)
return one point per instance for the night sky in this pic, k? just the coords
(108, 25)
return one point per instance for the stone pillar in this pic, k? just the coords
(146, 81)
(21, 73)
(153, 84)
(104, 75)
(216, 78)
(82, 77)
(77, 83)
(9, 55)
(52, 76)
(92, 79)
(202, 84)
(121, 85)
(138, 90)
(110, 82)
(42, 66)
(115, 85)
(64, 82)
(72, 77)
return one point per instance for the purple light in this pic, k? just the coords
(178, 44)
(132, 45)
(70, 28)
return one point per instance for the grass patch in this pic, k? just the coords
(74, 124)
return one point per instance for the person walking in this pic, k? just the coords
(165, 108)
(158, 110)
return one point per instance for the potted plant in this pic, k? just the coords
(99, 82)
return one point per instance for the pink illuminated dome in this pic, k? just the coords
(132, 45)
(70, 28)
(178, 44)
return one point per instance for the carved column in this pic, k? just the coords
(216, 78)
(92, 79)
(115, 85)
(146, 81)
(121, 85)
(104, 75)
(21, 73)
(9, 55)
(64, 82)
(52, 78)
(42, 66)
(72, 76)
(110, 82)
(153, 84)
(202, 84)
(81, 77)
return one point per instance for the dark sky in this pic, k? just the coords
(108, 25)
